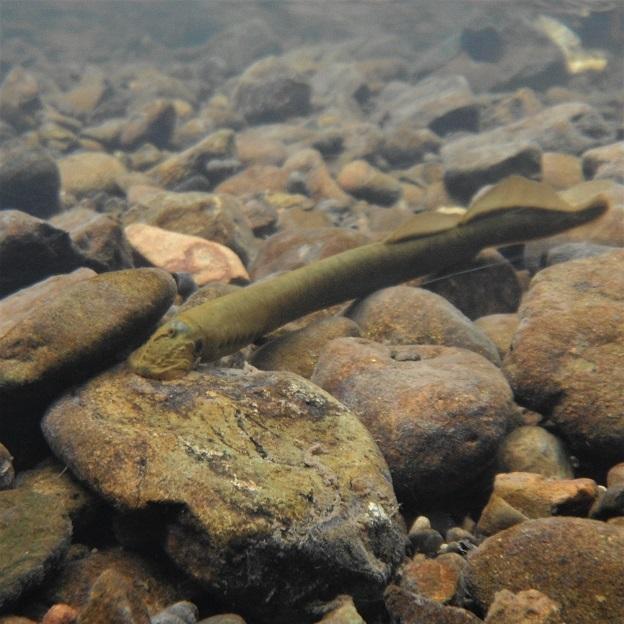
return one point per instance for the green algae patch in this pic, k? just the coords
(274, 493)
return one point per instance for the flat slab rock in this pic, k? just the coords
(276, 493)
(566, 355)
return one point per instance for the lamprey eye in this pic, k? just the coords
(175, 328)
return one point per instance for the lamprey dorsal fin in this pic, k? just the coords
(423, 224)
(515, 192)
(587, 194)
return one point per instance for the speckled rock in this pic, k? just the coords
(195, 160)
(488, 284)
(566, 355)
(214, 217)
(526, 607)
(270, 90)
(255, 442)
(442, 104)
(206, 261)
(576, 562)
(536, 496)
(438, 579)
(499, 328)
(289, 250)
(99, 237)
(34, 535)
(409, 608)
(533, 449)
(298, 351)
(88, 323)
(30, 182)
(364, 181)
(31, 250)
(406, 315)
(437, 413)
(112, 600)
(90, 172)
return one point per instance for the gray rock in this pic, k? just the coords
(575, 251)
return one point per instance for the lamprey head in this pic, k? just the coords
(172, 351)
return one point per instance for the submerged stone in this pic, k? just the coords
(274, 493)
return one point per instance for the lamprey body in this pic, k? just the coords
(512, 211)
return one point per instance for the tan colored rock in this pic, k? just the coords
(20, 98)
(561, 171)
(7, 472)
(577, 562)
(205, 260)
(406, 315)
(567, 353)
(615, 476)
(152, 123)
(605, 162)
(298, 351)
(525, 607)
(230, 455)
(255, 179)
(84, 98)
(499, 328)
(438, 579)
(343, 612)
(60, 614)
(256, 149)
(362, 180)
(89, 172)
(533, 449)
(535, 496)
(437, 413)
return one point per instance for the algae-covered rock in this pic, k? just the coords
(274, 493)
(34, 534)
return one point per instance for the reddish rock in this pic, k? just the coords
(438, 579)
(205, 260)
(576, 562)
(566, 354)
(535, 496)
(60, 614)
(437, 413)
(254, 179)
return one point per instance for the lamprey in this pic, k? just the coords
(514, 210)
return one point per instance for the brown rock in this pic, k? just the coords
(561, 171)
(194, 160)
(289, 250)
(499, 328)
(364, 181)
(566, 355)
(606, 161)
(437, 579)
(85, 97)
(577, 562)
(7, 472)
(254, 148)
(298, 351)
(255, 179)
(343, 611)
(406, 315)
(20, 304)
(90, 172)
(533, 449)
(205, 260)
(152, 123)
(20, 98)
(113, 601)
(508, 108)
(437, 413)
(410, 608)
(535, 496)
(404, 146)
(31, 250)
(99, 237)
(525, 607)
(232, 492)
(615, 476)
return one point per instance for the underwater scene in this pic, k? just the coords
(311, 312)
